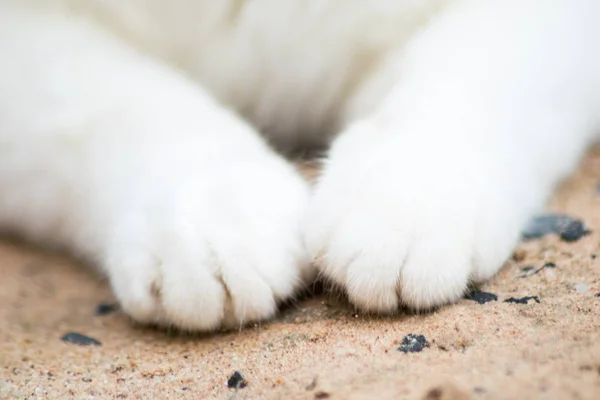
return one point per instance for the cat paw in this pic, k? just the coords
(217, 254)
(397, 224)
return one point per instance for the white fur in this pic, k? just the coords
(457, 119)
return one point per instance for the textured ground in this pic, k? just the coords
(319, 348)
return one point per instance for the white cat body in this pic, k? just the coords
(129, 135)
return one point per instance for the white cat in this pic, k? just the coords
(122, 138)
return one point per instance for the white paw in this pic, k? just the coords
(220, 251)
(396, 223)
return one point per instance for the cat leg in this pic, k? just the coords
(113, 155)
(496, 103)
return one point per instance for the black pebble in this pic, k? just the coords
(522, 300)
(79, 339)
(236, 381)
(481, 297)
(574, 231)
(104, 309)
(598, 294)
(544, 224)
(413, 343)
(568, 228)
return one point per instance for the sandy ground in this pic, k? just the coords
(319, 347)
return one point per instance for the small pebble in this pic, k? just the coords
(574, 231)
(79, 339)
(544, 224)
(413, 343)
(446, 391)
(313, 384)
(598, 294)
(519, 255)
(481, 297)
(522, 300)
(104, 309)
(569, 229)
(550, 274)
(581, 288)
(236, 381)
(322, 395)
